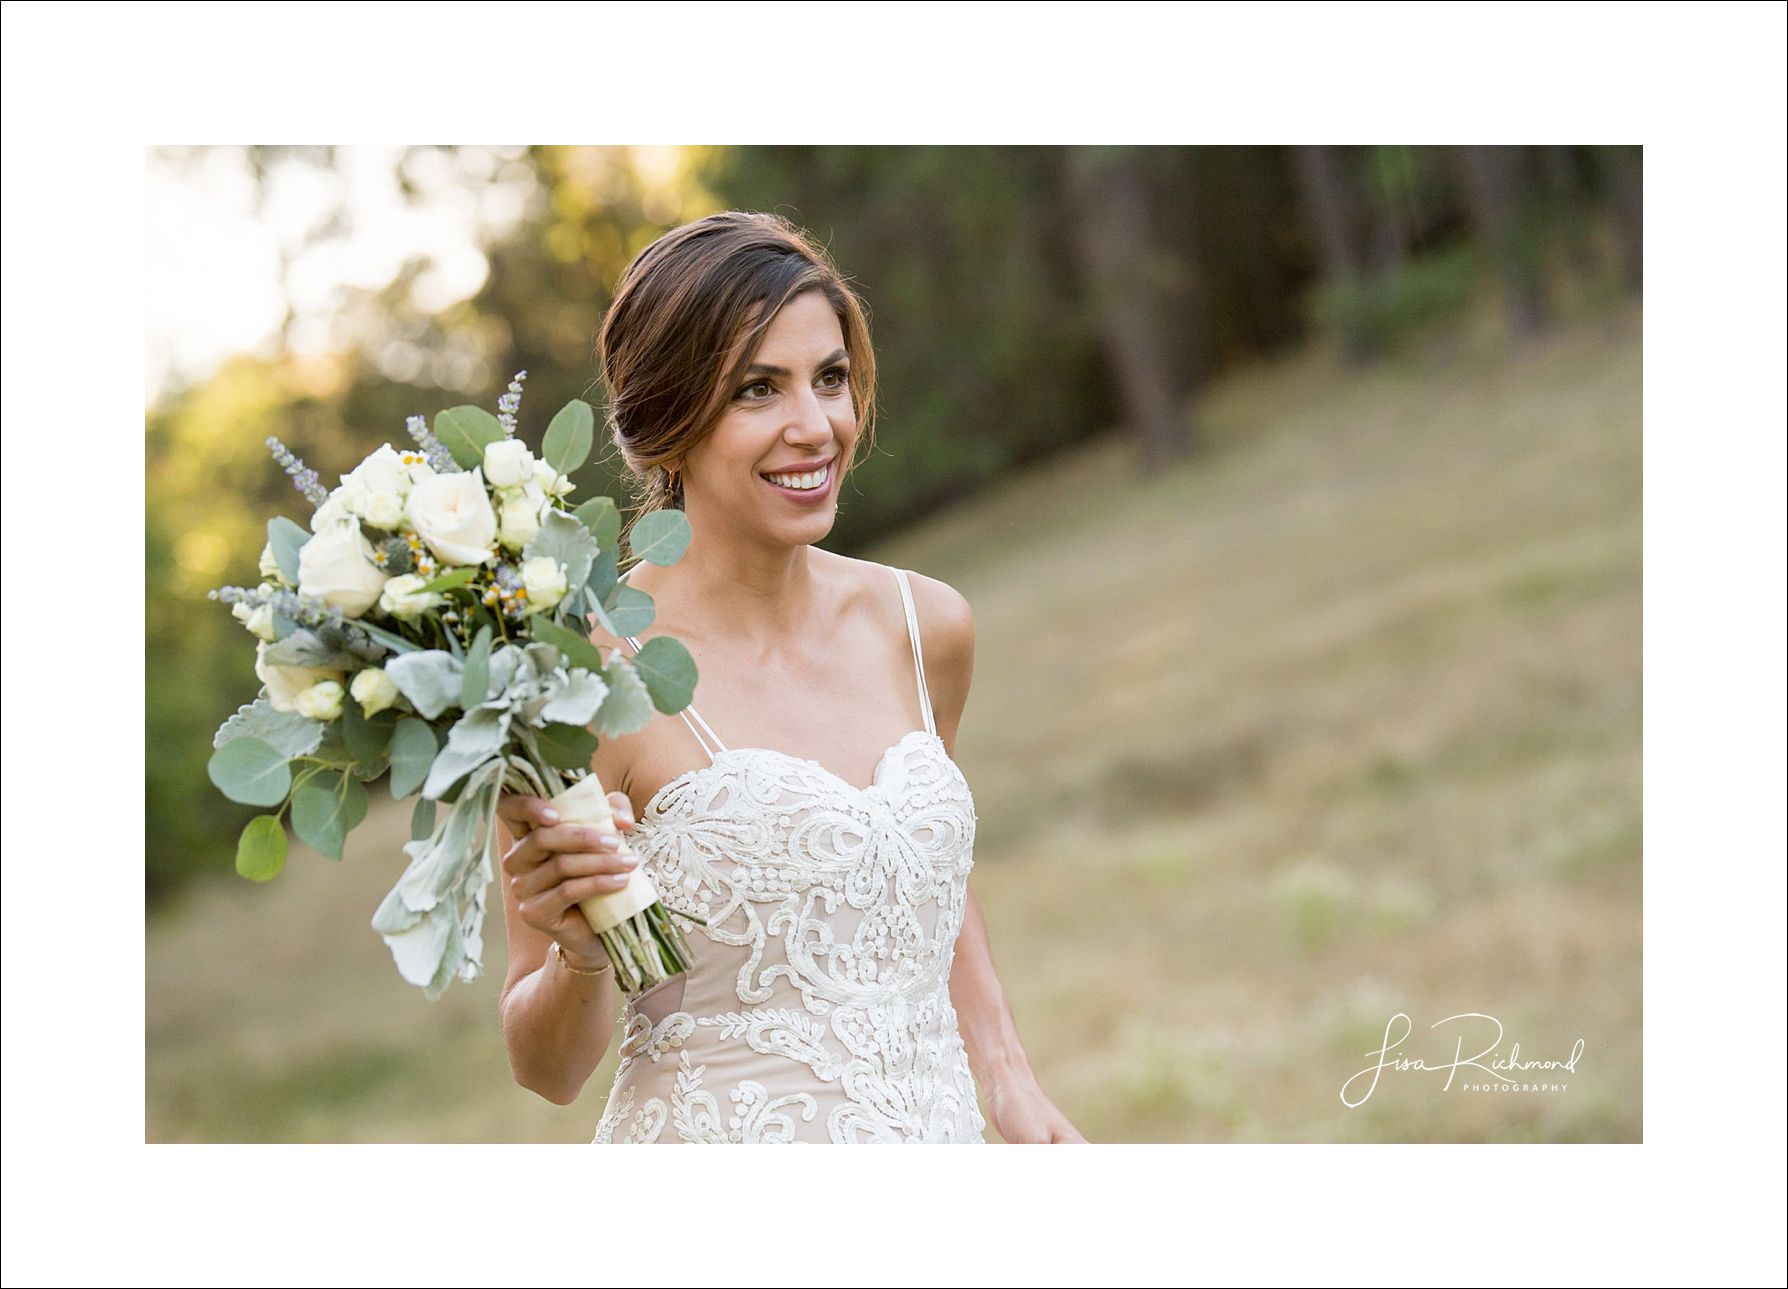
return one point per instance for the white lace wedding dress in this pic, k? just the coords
(818, 1009)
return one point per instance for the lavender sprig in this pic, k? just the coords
(290, 604)
(439, 458)
(508, 403)
(303, 477)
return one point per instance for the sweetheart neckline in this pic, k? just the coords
(875, 778)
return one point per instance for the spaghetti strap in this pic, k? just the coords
(692, 718)
(912, 630)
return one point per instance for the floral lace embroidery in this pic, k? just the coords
(820, 1000)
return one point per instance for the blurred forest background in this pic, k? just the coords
(1304, 480)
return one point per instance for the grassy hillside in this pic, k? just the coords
(1339, 721)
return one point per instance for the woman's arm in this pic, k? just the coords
(1017, 1105)
(556, 1023)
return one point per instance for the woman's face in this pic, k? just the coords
(790, 412)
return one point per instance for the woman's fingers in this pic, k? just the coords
(524, 813)
(548, 855)
(622, 806)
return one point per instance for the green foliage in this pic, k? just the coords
(474, 683)
(413, 748)
(326, 809)
(465, 432)
(287, 539)
(261, 849)
(567, 747)
(249, 771)
(668, 672)
(569, 437)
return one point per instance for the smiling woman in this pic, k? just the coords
(842, 990)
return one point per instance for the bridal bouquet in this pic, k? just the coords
(430, 625)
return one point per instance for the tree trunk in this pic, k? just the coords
(1332, 209)
(1125, 273)
(1494, 181)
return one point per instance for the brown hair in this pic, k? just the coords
(683, 305)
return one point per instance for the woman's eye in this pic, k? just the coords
(748, 388)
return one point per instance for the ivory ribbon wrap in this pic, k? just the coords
(584, 802)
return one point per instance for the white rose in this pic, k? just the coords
(383, 471)
(336, 566)
(374, 690)
(322, 701)
(384, 510)
(550, 480)
(507, 462)
(261, 621)
(543, 577)
(416, 468)
(269, 565)
(402, 597)
(331, 513)
(521, 519)
(452, 513)
(257, 618)
(284, 683)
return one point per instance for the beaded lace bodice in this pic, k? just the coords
(818, 1009)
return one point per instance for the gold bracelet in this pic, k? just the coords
(559, 952)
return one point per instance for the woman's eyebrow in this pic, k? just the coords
(766, 370)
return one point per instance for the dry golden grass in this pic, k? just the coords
(1345, 717)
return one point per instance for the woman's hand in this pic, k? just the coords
(1022, 1114)
(553, 866)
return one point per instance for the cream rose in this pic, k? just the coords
(403, 596)
(550, 481)
(269, 565)
(332, 513)
(452, 513)
(322, 701)
(521, 518)
(258, 618)
(373, 690)
(543, 577)
(336, 566)
(383, 471)
(285, 684)
(507, 462)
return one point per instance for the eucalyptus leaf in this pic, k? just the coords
(250, 771)
(326, 809)
(422, 819)
(602, 578)
(287, 539)
(603, 518)
(668, 670)
(576, 648)
(261, 849)
(474, 684)
(368, 738)
(287, 733)
(465, 432)
(629, 611)
(566, 747)
(660, 536)
(413, 749)
(569, 437)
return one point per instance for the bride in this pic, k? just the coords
(843, 989)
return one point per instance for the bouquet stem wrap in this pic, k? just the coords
(644, 944)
